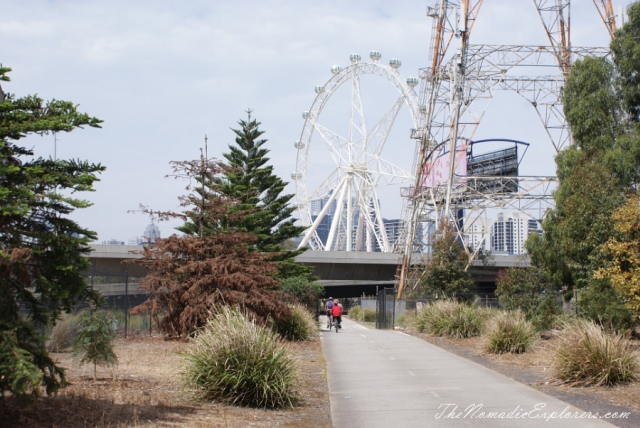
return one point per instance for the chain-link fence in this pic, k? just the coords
(385, 308)
(121, 293)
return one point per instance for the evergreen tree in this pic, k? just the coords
(93, 344)
(445, 275)
(41, 249)
(251, 181)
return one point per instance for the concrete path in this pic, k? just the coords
(384, 378)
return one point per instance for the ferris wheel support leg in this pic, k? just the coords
(349, 219)
(369, 238)
(323, 212)
(338, 214)
(383, 233)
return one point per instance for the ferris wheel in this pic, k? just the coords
(342, 213)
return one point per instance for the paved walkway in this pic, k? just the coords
(384, 378)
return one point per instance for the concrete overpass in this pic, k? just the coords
(343, 274)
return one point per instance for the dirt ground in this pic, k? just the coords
(144, 390)
(533, 368)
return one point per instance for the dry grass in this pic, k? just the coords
(144, 391)
(450, 318)
(62, 334)
(588, 355)
(509, 333)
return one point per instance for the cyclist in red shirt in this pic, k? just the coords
(336, 311)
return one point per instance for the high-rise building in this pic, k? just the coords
(316, 207)
(476, 235)
(510, 231)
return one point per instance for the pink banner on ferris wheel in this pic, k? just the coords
(436, 173)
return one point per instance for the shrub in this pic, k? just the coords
(587, 355)
(369, 315)
(63, 333)
(355, 313)
(93, 342)
(509, 332)
(305, 291)
(521, 288)
(234, 360)
(603, 304)
(446, 317)
(545, 314)
(300, 325)
(405, 320)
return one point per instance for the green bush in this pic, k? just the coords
(93, 342)
(545, 314)
(234, 360)
(449, 318)
(355, 313)
(305, 291)
(301, 325)
(602, 304)
(369, 315)
(521, 288)
(587, 355)
(405, 320)
(509, 332)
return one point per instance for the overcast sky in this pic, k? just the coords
(162, 74)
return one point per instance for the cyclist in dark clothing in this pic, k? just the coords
(327, 307)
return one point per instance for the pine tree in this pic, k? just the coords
(93, 344)
(41, 249)
(252, 182)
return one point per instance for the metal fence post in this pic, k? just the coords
(126, 302)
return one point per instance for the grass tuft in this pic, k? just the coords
(301, 325)
(369, 315)
(509, 333)
(449, 318)
(355, 313)
(587, 355)
(236, 361)
(63, 333)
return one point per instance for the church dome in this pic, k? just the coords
(151, 233)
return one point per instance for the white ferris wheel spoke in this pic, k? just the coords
(329, 185)
(387, 174)
(335, 143)
(377, 137)
(357, 128)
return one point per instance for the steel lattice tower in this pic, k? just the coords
(455, 92)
